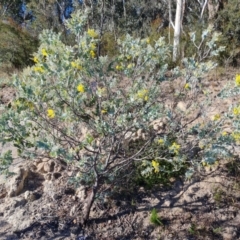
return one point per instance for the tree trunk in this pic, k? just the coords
(89, 203)
(177, 29)
(213, 6)
(170, 19)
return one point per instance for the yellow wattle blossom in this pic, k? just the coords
(236, 111)
(44, 52)
(81, 88)
(83, 44)
(161, 141)
(175, 148)
(50, 113)
(205, 164)
(35, 59)
(93, 46)
(143, 94)
(130, 66)
(201, 145)
(17, 103)
(236, 136)
(38, 69)
(128, 57)
(148, 40)
(92, 33)
(24, 103)
(76, 65)
(30, 105)
(118, 67)
(104, 111)
(216, 117)
(155, 165)
(224, 133)
(187, 86)
(92, 54)
(101, 91)
(137, 53)
(237, 80)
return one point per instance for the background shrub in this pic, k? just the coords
(16, 46)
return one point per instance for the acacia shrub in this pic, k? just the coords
(110, 117)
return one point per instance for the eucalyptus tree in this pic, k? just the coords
(177, 29)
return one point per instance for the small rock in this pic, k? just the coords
(229, 232)
(81, 193)
(30, 196)
(74, 198)
(20, 220)
(167, 203)
(47, 167)
(182, 106)
(188, 216)
(118, 230)
(40, 167)
(16, 184)
(73, 210)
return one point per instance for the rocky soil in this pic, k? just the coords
(39, 202)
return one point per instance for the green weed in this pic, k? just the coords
(154, 219)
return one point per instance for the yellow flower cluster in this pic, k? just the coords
(118, 67)
(130, 66)
(205, 164)
(38, 69)
(92, 33)
(155, 165)
(76, 65)
(104, 111)
(92, 54)
(175, 148)
(24, 103)
(148, 40)
(50, 113)
(81, 88)
(224, 133)
(35, 59)
(236, 111)
(30, 105)
(93, 46)
(237, 80)
(201, 145)
(187, 86)
(216, 117)
(101, 91)
(44, 52)
(161, 141)
(142, 94)
(236, 136)
(128, 57)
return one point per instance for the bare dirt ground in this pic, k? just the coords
(38, 202)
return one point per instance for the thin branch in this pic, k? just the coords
(203, 8)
